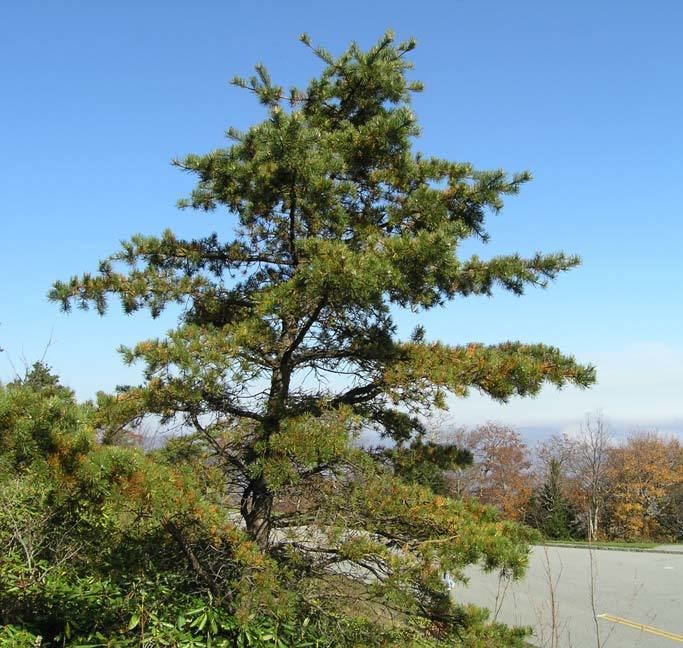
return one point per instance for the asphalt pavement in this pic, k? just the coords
(635, 600)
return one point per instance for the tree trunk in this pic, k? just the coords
(256, 505)
(592, 523)
(256, 508)
(595, 523)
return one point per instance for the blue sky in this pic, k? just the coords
(98, 97)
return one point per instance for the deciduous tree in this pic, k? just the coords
(499, 474)
(645, 474)
(589, 455)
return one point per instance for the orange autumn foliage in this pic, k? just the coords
(643, 472)
(499, 475)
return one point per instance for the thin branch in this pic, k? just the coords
(177, 534)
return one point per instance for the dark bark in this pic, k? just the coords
(177, 534)
(256, 508)
(256, 505)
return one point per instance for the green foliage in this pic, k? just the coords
(89, 559)
(83, 526)
(39, 377)
(16, 637)
(549, 510)
(286, 350)
(39, 417)
(426, 463)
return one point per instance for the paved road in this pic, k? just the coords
(631, 588)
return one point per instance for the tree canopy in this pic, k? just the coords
(287, 348)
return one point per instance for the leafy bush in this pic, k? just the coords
(107, 546)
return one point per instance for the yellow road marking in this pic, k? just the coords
(642, 627)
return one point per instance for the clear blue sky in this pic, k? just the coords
(98, 97)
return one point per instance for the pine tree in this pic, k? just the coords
(549, 509)
(40, 377)
(287, 347)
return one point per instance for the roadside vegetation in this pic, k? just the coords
(586, 487)
(105, 544)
